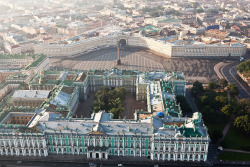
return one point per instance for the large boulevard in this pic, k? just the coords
(228, 70)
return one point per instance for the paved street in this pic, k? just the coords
(230, 73)
(142, 60)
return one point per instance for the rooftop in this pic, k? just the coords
(41, 94)
(13, 56)
(18, 76)
(39, 59)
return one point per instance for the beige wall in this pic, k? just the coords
(155, 45)
(4, 75)
(8, 88)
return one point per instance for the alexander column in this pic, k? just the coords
(118, 54)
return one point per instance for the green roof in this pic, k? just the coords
(36, 62)
(51, 72)
(52, 81)
(68, 82)
(128, 72)
(190, 132)
(18, 76)
(13, 56)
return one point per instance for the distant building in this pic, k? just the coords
(12, 49)
(218, 34)
(14, 61)
(27, 47)
(31, 98)
(17, 78)
(172, 49)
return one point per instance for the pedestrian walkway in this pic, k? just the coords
(226, 129)
(239, 151)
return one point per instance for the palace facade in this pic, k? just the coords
(160, 133)
(170, 49)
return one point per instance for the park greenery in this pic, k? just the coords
(110, 100)
(173, 12)
(197, 8)
(153, 11)
(244, 68)
(217, 102)
(234, 156)
(159, 11)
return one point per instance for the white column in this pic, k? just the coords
(23, 152)
(206, 147)
(87, 154)
(182, 157)
(45, 152)
(17, 152)
(152, 156)
(205, 157)
(11, 151)
(153, 147)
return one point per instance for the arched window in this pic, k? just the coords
(97, 156)
(103, 155)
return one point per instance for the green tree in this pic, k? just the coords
(200, 10)
(195, 4)
(156, 13)
(110, 100)
(222, 100)
(223, 10)
(205, 100)
(244, 106)
(208, 114)
(227, 109)
(233, 89)
(121, 92)
(243, 123)
(213, 11)
(197, 89)
(212, 85)
(223, 83)
(244, 68)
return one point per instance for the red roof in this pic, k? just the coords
(14, 46)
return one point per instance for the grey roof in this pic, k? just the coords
(107, 128)
(43, 94)
(101, 116)
(62, 99)
(111, 127)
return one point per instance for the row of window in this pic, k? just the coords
(172, 148)
(178, 157)
(36, 145)
(33, 151)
